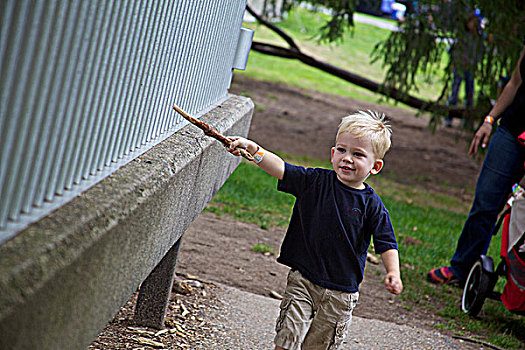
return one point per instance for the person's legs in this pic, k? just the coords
(453, 98)
(469, 97)
(469, 88)
(456, 83)
(296, 313)
(312, 317)
(333, 314)
(503, 167)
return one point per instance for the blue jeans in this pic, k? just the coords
(503, 167)
(459, 75)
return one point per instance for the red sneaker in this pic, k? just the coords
(441, 275)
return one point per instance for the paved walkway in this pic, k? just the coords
(245, 321)
(390, 25)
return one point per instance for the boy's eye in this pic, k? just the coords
(358, 154)
(341, 150)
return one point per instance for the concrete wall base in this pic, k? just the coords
(63, 278)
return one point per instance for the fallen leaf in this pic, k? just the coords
(161, 332)
(194, 283)
(275, 295)
(150, 342)
(181, 287)
(184, 310)
(171, 323)
(140, 331)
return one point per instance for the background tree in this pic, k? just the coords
(421, 46)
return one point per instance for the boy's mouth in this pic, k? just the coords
(346, 168)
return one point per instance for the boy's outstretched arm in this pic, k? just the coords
(393, 276)
(271, 163)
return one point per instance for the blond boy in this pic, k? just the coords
(335, 215)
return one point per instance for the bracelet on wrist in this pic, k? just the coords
(258, 155)
(489, 119)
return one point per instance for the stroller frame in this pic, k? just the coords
(483, 277)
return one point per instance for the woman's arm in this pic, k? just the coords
(509, 91)
(504, 101)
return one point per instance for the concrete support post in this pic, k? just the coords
(155, 291)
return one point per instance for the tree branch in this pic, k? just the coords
(363, 82)
(274, 28)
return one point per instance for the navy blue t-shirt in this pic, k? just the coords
(331, 228)
(512, 117)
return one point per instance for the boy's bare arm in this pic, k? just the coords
(393, 276)
(271, 163)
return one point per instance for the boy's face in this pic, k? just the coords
(353, 160)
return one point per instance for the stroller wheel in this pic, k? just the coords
(476, 289)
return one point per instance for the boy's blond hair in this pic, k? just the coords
(371, 125)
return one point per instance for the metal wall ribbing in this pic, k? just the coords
(86, 86)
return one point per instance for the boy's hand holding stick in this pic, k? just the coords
(211, 131)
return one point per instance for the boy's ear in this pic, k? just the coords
(378, 165)
(332, 153)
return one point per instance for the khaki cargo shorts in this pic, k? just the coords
(313, 317)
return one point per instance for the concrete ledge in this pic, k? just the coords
(63, 278)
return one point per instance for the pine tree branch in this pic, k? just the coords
(412, 101)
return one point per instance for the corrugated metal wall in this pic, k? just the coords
(86, 86)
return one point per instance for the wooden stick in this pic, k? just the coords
(211, 131)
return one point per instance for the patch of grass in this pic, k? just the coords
(259, 107)
(250, 195)
(262, 248)
(432, 222)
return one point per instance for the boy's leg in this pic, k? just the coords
(333, 314)
(296, 313)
